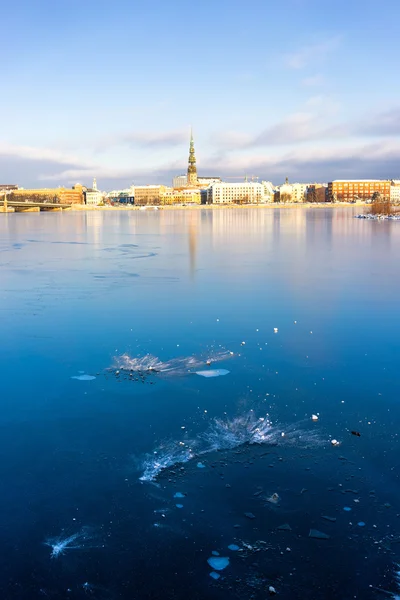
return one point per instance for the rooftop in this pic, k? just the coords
(361, 180)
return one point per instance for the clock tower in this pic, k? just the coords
(192, 170)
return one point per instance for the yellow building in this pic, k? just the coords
(149, 194)
(59, 195)
(181, 196)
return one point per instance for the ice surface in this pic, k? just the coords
(213, 373)
(218, 563)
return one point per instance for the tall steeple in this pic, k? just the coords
(192, 170)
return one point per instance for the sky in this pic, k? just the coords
(304, 89)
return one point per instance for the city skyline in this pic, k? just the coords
(292, 89)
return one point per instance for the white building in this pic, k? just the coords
(126, 195)
(227, 193)
(206, 181)
(269, 191)
(395, 191)
(293, 192)
(179, 181)
(93, 195)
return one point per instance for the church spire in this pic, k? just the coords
(192, 170)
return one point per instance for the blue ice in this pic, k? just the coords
(213, 373)
(215, 575)
(218, 563)
(84, 377)
(200, 465)
(179, 495)
(361, 524)
(179, 505)
(347, 508)
(215, 553)
(233, 547)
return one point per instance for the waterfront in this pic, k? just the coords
(80, 290)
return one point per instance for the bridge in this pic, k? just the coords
(10, 207)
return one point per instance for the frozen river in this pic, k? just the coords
(159, 376)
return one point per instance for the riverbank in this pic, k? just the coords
(297, 205)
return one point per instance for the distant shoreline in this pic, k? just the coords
(298, 205)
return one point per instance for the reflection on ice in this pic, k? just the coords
(222, 434)
(81, 540)
(149, 364)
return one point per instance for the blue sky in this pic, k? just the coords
(307, 89)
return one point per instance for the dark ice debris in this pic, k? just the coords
(356, 433)
(284, 527)
(331, 519)
(249, 515)
(318, 535)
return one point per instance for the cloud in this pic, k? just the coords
(147, 139)
(23, 164)
(299, 127)
(315, 80)
(383, 124)
(380, 160)
(312, 53)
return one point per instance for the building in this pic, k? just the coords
(125, 196)
(192, 170)
(351, 190)
(268, 191)
(299, 192)
(7, 187)
(317, 192)
(180, 181)
(292, 192)
(395, 191)
(180, 196)
(150, 194)
(92, 195)
(237, 193)
(192, 179)
(204, 182)
(59, 195)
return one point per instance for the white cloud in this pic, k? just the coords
(315, 80)
(312, 53)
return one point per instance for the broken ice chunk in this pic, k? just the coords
(318, 535)
(179, 495)
(215, 575)
(213, 373)
(179, 505)
(218, 563)
(200, 465)
(215, 553)
(233, 547)
(84, 377)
